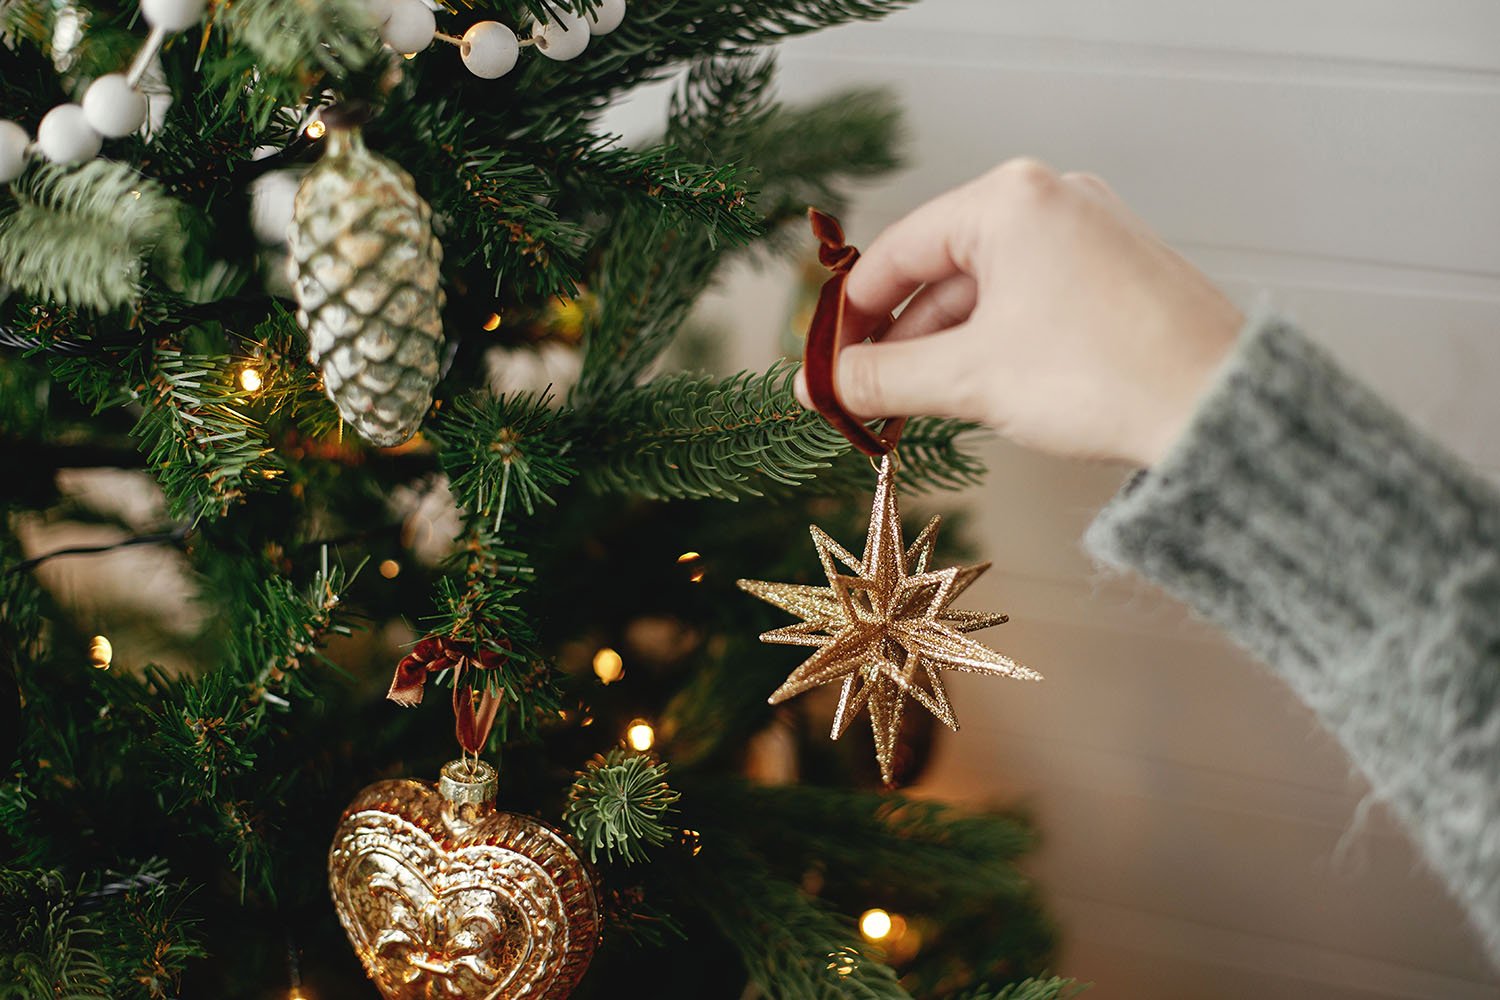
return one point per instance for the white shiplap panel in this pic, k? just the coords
(1320, 165)
(1447, 33)
(1158, 702)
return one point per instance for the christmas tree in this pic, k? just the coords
(350, 470)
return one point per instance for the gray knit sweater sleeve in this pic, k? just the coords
(1362, 562)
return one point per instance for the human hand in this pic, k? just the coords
(1045, 308)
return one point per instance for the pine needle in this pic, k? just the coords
(83, 237)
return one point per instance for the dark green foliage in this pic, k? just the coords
(1051, 988)
(618, 804)
(497, 450)
(121, 935)
(793, 944)
(696, 436)
(591, 517)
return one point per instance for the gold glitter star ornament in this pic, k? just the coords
(884, 626)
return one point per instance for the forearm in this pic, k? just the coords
(1362, 562)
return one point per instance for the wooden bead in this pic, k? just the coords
(489, 50)
(564, 36)
(65, 136)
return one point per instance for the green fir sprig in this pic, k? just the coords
(618, 805)
(83, 236)
(499, 450)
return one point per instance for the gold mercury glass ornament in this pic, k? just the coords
(443, 895)
(365, 271)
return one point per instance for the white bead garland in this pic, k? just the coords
(489, 49)
(606, 17)
(410, 26)
(64, 136)
(13, 143)
(173, 15)
(113, 107)
(562, 37)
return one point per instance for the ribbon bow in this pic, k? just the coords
(473, 710)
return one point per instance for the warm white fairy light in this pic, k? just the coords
(875, 924)
(640, 735)
(608, 665)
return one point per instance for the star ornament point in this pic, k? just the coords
(884, 626)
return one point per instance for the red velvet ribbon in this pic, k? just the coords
(473, 716)
(827, 334)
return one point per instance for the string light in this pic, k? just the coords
(875, 924)
(687, 559)
(317, 128)
(493, 323)
(101, 653)
(250, 379)
(640, 735)
(608, 666)
(390, 569)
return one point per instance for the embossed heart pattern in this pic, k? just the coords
(443, 896)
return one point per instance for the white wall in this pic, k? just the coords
(1203, 837)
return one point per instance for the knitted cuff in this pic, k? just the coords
(1362, 562)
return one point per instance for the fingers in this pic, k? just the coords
(924, 247)
(936, 307)
(907, 377)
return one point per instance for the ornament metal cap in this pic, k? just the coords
(469, 782)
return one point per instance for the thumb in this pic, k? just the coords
(899, 378)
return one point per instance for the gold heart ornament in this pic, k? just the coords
(444, 896)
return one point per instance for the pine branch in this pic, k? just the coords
(210, 733)
(656, 37)
(652, 271)
(500, 207)
(926, 850)
(198, 436)
(484, 609)
(83, 236)
(696, 436)
(810, 155)
(1052, 988)
(692, 436)
(282, 49)
(118, 935)
(503, 449)
(617, 805)
(792, 945)
(934, 455)
(598, 172)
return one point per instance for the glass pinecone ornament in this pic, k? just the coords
(443, 895)
(365, 269)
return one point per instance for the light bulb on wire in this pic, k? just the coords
(875, 924)
(608, 665)
(640, 735)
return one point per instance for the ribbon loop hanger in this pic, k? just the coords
(827, 333)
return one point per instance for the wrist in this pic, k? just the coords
(1183, 386)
